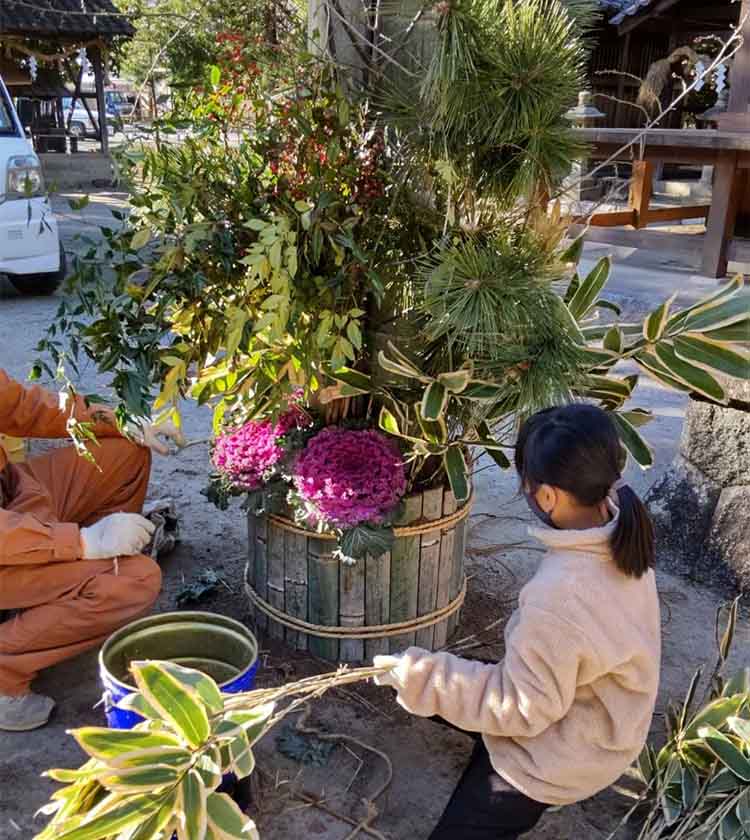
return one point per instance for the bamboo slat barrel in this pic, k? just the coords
(298, 587)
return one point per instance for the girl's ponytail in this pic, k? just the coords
(633, 540)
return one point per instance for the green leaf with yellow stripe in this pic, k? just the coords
(588, 291)
(712, 355)
(226, 820)
(192, 802)
(656, 323)
(177, 703)
(698, 379)
(633, 442)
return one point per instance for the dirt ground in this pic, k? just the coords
(427, 759)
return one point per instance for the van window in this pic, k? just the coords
(7, 123)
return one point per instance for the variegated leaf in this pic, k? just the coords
(698, 379)
(177, 703)
(656, 323)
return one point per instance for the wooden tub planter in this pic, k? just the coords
(303, 594)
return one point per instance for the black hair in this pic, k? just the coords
(576, 448)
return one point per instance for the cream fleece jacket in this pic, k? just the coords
(569, 708)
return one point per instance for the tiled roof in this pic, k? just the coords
(62, 19)
(628, 8)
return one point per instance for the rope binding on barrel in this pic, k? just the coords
(374, 631)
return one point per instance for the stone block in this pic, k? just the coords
(77, 172)
(716, 439)
(681, 505)
(729, 538)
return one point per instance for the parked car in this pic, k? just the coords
(80, 123)
(31, 253)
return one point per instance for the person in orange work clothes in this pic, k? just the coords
(71, 537)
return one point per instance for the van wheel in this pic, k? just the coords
(40, 284)
(77, 130)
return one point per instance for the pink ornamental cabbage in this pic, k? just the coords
(246, 456)
(347, 477)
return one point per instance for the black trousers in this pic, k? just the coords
(485, 807)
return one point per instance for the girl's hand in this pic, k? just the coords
(390, 678)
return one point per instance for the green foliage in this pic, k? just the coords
(161, 777)
(386, 243)
(697, 785)
(183, 37)
(160, 780)
(356, 543)
(492, 97)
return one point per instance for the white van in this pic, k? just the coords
(31, 253)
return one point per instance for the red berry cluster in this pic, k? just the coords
(238, 60)
(369, 185)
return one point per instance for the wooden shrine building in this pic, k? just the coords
(638, 33)
(634, 34)
(45, 48)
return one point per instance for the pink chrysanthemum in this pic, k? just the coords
(346, 477)
(246, 456)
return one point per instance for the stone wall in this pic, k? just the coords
(80, 171)
(701, 507)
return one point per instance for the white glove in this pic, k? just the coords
(148, 434)
(117, 535)
(390, 678)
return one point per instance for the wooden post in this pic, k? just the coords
(727, 189)
(445, 573)
(323, 595)
(295, 585)
(429, 564)
(736, 117)
(404, 575)
(352, 608)
(624, 65)
(377, 600)
(641, 185)
(101, 104)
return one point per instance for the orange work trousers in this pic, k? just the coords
(71, 606)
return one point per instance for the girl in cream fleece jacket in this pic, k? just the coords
(569, 708)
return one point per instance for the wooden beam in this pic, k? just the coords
(617, 218)
(687, 138)
(656, 215)
(634, 21)
(729, 183)
(641, 186)
(659, 215)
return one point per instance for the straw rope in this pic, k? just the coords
(404, 531)
(374, 631)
